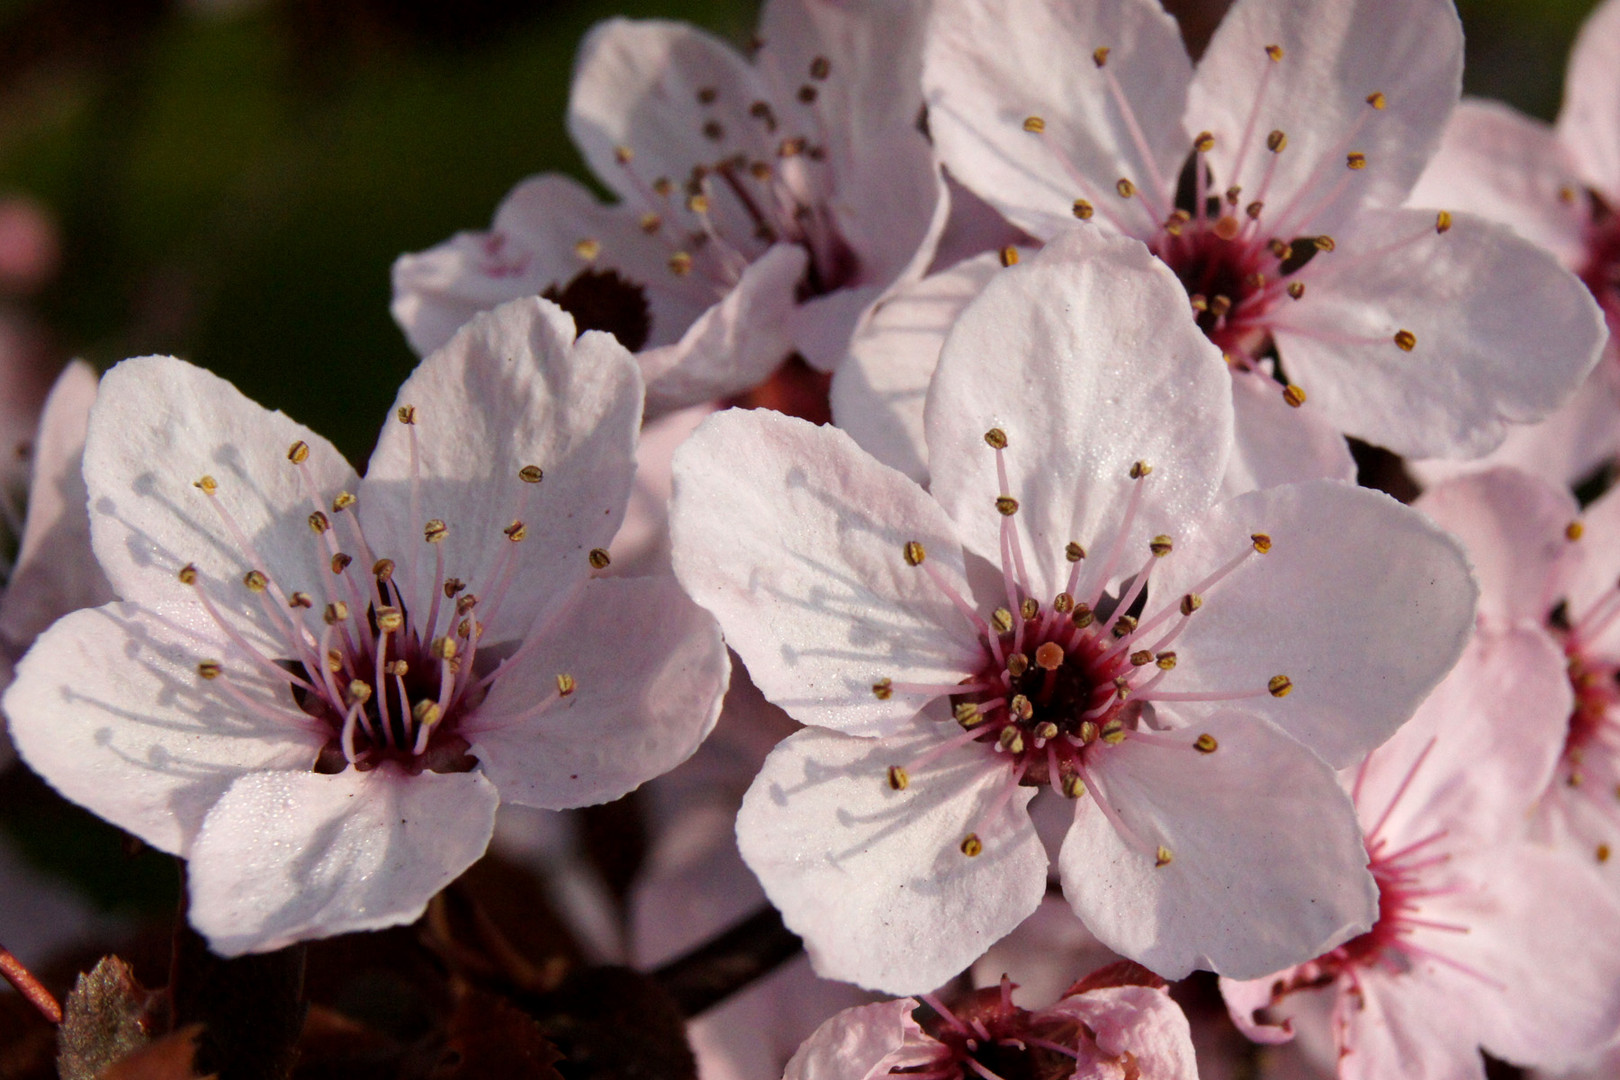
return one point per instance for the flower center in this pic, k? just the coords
(1589, 755)
(987, 1037)
(1601, 273)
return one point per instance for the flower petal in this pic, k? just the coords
(1475, 364)
(290, 856)
(874, 879)
(109, 708)
(1266, 863)
(1589, 123)
(1275, 443)
(650, 671)
(1342, 559)
(1088, 358)
(1140, 1021)
(795, 540)
(863, 1043)
(512, 389)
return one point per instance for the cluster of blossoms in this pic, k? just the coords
(1078, 595)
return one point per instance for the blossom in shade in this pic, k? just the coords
(1270, 179)
(1483, 938)
(763, 202)
(318, 686)
(1558, 187)
(1116, 1022)
(1065, 610)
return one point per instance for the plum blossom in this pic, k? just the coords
(1173, 667)
(1116, 1022)
(763, 203)
(318, 686)
(1483, 939)
(1270, 179)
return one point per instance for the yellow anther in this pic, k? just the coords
(899, 779)
(531, 474)
(651, 222)
(383, 570)
(1161, 546)
(206, 484)
(1232, 194)
(1063, 603)
(445, 648)
(343, 501)
(1009, 256)
(996, 438)
(971, 845)
(1254, 210)
(1046, 731)
(1113, 732)
(1049, 656)
(1220, 305)
(390, 619)
(1082, 616)
(1296, 289)
(1261, 542)
(1088, 732)
(298, 452)
(426, 713)
(1405, 340)
(914, 553)
(1011, 740)
(1142, 657)
(1280, 249)
(1324, 242)
(1377, 100)
(967, 714)
(1099, 56)
(1442, 221)
(1566, 194)
(300, 600)
(335, 612)
(820, 68)
(1274, 51)
(1166, 660)
(566, 684)
(1073, 552)
(1029, 608)
(680, 264)
(453, 586)
(1083, 210)
(698, 204)
(255, 581)
(359, 691)
(319, 522)
(1227, 227)
(406, 414)
(1125, 188)
(1162, 857)
(1204, 142)
(466, 604)
(1017, 664)
(663, 187)
(1034, 124)
(1294, 394)
(209, 669)
(599, 559)
(883, 689)
(517, 532)
(435, 531)
(1006, 505)
(1073, 787)
(623, 155)
(1277, 142)
(1190, 603)
(1356, 160)
(1140, 469)
(188, 574)
(1573, 531)
(1206, 744)
(1002, 620)
(1602, 853)
(1280, 686)
(334, 661)
(1125, 626)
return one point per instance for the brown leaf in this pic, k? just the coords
(104, 1020)
(172, 1057)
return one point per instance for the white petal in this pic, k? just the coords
(988, 67)
(1512, 526)
(1343, 559)
(158, 426)
(641, 545)
(512, 389)
(109, 708)
(1275, 443)
(1500, 164)
(862, 1043)
(1048, 952)
(1478, 363)
(1404, 1027)
(879, 389)
(795, 540)
(1334, 55)
(650, 671)
(291, 856)
(1267, 867)
(1589, 123)
(1087, 356)
(1140, 1021)
(874, 879)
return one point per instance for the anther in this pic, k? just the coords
(531, 474)
(1324, 242)
(1140, 469)
(899, 779)
(1254, 210)
(1049, 656)
(1141, 657)
(1011, 739)
(599, 559)
(343, 501)
(407, 414)
(1220, 305)
(1356, 160)
(1125, 188)
(1602, 853)
(967, 714)
(1280, 249)
(335, 613)
(1083, 210)
(707, 95)
(1204, 143)
(663, 187)
(1099, 56)
(1063, 603)
(255, 581)
(1125, 625)
(714, 130)
(1113, 732)
(188, 574)
(1034, 124)
(1377, 100)
(400, 668)
(209, 669)
(1088, 732)
(1405, 340)
(1573, 531)
(298, 452)
(383, 570)
(971, 845)
(1276, 142)
(1009, 256)
(566, 684)
(883, 689)
(651, 222)
(435, 531)
(914, 553)
(1002, 620)
(698, 204)
(680, 264)
(517, 532)
(588, 249)
(1261, 542)
(390, 619)
(334, 661)
(623, 155)
(1029, 608)
(1046, 731)
(466, 604)
(1017, 664)
(359, 692)
(1073, 551)
(1275, 52)
(444, 648)
(1232, 194)
(1006, 505)
(1296, 289)
(1280, 686)
(1190, 603)
(1082, 616)
(1166, 660)
(1227, 227)
(426, 713)
(206, 484)
(319, 522)
(996, 438)
(1073, 787)
(1163, 857)
(1206, 744)
(1294, 394)
(1161, 546)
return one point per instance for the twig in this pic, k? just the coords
(719, 968)
(29, 987)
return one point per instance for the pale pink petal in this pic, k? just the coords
(879, 390)
(863, 1043)
(649, 670)
(1342, 559)
(1500, 164)
(1595, 563)
(1069, 352)
(641, 545)
(1248, 1001)
(535, 244)
(990, 66)
(512, 389)
(973, 227)
(1048, 952)
(795, 540)
(109, 708)
(55, 571)
(288, 856)
(158, 426)
(1405, 1028)
(1477, 363)
(1589, 124)
(1332, 57)
(1266, 863)
(1513, 527)
(1140, 1021)
(1276, 443)
(875, 879)
(753, 1035)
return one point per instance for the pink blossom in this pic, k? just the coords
(317, 686)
